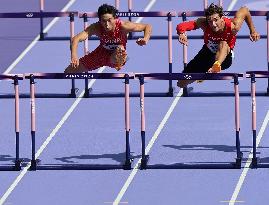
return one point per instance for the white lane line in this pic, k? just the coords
(148, 7)
(32, 44)
(47, 141)
(232, 4)
(248, 163)
(149, 146)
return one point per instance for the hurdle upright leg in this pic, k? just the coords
(145, 157)
(72, 34)
(42, 34)
(33, 127)
(267, 23)
(254, 133)
(86, 48)
(17, 128)
(170, 58)
(237, 123)
(128, 159)
(185, 57)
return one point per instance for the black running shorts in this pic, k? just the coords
(204, 60)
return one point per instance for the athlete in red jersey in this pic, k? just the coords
(219, 40)
(113, 38)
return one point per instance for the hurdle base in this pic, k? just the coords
(74, 92)
(87, 93)
(238, 162)
(128, 164)
(122, 95)
(171, 92)
(254, 162)
(9, 168)
(17, 165)
(191, 93)
(194, 166)
(42, 36)
(33, 165)
(186, 91)
(144, 162)
(79, 167)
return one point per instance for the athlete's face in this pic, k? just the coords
(108, 22)
(215, 22)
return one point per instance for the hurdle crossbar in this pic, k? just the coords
(17, 161)
(181, 76)
(35, 165)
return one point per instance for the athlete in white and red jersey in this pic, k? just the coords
(219, 40)
(113, 34)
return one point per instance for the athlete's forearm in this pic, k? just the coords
(186, 26)
(242, 15)
(74, 46)
(222, 52)
(147, 32)
(249, 22)
(220, 57)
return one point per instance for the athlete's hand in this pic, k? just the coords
(254, 36)
(141, 41)
(216, 68)
(74, 61)
(182, 38)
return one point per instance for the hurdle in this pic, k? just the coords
(34, 162)
(17, 162)
(253, 75)
(192, 76)
(169, 15)
(206, 3)
(188, 92)
(32, 15)
(43, 36)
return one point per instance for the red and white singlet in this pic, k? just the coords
(212, 39)
(109, 40)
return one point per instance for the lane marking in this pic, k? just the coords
(232, 4)
(149, 146)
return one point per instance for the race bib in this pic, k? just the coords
(213, 46)
(109, 46)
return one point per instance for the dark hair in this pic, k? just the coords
(214, 9)
(107, 9)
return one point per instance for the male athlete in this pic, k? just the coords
(113, 38)
(219, 40)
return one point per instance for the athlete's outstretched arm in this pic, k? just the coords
(242, 15)
(82, 36)
(138, 27)
(189, 26)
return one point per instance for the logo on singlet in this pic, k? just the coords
(112, 44)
